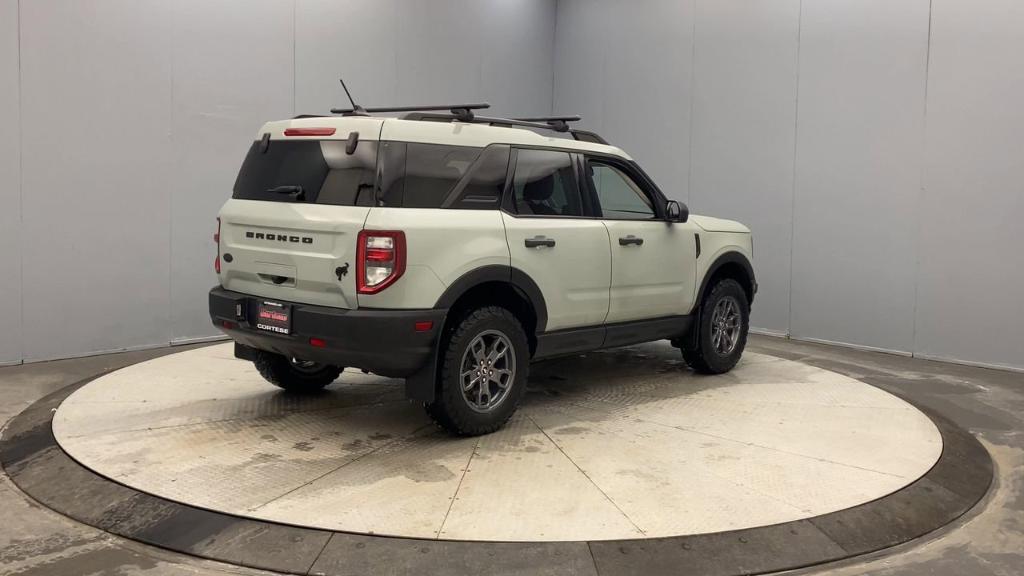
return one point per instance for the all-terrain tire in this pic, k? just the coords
(292, 376)
(451, 409)
(706, 357)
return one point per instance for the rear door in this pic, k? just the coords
(553, 238)
(653, 261)
(289, 231)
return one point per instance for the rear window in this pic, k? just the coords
(320, 171)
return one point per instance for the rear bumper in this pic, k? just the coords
(384, 342)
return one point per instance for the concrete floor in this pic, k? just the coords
(34, 540)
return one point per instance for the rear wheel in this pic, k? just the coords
(722, 333)
(483, 373)
(295, 375)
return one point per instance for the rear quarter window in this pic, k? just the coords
(415, 175)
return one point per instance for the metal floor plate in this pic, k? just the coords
(617, 444)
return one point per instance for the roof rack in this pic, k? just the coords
(556, 123)
(463, 112)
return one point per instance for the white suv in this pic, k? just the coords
(451, 249)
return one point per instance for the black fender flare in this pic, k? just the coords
(421, 386)
(690, 338)
(732, 257)
(498, 273)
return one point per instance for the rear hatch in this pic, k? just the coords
(302, 195)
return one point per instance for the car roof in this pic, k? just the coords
(452, 133)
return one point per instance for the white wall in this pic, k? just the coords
(879, 166)
(10, 187)
(140, 113)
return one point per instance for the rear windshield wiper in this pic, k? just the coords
(296, 192)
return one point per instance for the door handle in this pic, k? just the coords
(631, 240)
(540, 241)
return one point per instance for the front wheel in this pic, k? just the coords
(294, 375)
(484, 368)
(722, 332)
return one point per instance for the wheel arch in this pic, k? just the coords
(507, 281)
(731, 264)
(487, 285)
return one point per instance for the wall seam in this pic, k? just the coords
(689, 118)
(170, 194)
(554, 53)
(796, 136)
(21, 198)
(295, 72)
(921, 191)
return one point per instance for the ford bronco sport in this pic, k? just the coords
(451, 249)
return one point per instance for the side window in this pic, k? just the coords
(545, 184)
(421, 175)
(481, 189)
(620, 197)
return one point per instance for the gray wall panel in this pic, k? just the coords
(141, 112)
(969, 303)
(744, 114)
(331, 43)
(404, 52)
(518, 56)
(10, 187)
(96, 92)
(858, 170)
(582, 25)
(231, 74)
(616, 63)
(452, 68)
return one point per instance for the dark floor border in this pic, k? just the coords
(31, 457)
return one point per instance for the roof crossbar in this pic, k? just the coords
(556, 123)
(463, 112)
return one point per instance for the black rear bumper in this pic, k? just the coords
(385, 342)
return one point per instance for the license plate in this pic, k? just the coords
(274, 317)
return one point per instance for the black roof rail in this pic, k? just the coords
(462, 112)
(570, 118)
(556, 123)
(588, 136)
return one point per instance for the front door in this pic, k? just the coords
(653, 261)
(552, 240)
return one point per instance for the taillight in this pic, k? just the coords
(216, 240)
(380, 259)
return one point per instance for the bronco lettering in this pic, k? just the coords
(278, 237)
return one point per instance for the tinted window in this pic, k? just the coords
(482, 187)
(545, 184)
(619, 196)
(422, 175)
(321, 169)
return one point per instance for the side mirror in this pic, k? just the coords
(676, 211)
